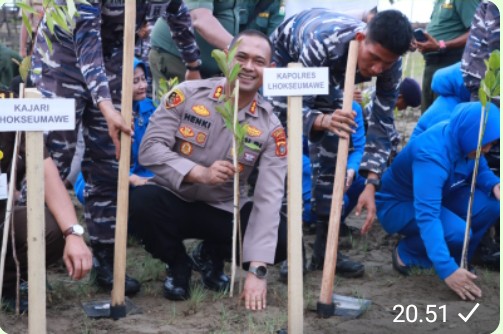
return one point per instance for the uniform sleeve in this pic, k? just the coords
(262, 231)
(429, 178)
(157, 148)
(89, 53)
(178, 18)
(355, 158)
(466, 10)
(486, 179)
(275, 17)
(380, 126)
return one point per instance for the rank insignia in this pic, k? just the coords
(218, 92)
(186, 148)
(186, 131)
(201, 138)
(174, 98)
(253, 107)
(201, 110)
(280, 140)
(253, 131)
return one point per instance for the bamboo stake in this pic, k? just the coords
(10, 203)
(37, 322)
(294, 198)
(327, 283)
(466, 242)
(236, 187)
(118, 307)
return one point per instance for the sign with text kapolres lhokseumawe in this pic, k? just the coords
(296, 81)
(37, 114)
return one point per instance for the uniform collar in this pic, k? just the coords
(251, 109)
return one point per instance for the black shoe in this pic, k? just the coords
(177, 283)
(211, 270)
(103, 270)
(404, 270)
(344, 267)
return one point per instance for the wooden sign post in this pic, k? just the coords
(35, 115)
(294, 82)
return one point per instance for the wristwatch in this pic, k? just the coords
(195, 68)
(76, 229)
(260, 271)
(375, 182)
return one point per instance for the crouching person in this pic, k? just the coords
(63, 235)
(188, 148)
(425, 192)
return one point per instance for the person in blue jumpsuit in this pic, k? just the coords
(424, 197)
(450, 89)
(143, 108)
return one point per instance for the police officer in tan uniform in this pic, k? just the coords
(188, 148)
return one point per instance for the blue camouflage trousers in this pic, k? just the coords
(99, 166)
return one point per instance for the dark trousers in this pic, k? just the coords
(54, 244)
(162, 221)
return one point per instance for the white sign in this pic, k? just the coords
(296, 81)
(37, 114)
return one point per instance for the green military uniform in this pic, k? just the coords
(233, 15)
(8, 68)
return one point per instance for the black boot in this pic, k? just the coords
(210, 267)
(177, 282)
(344, 266)
(103, 269)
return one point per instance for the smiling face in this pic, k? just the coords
(373, 59)
(254, 54)
(139, 84)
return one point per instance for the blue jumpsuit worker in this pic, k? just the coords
(424, 197)
(143, 108)
(86, 64)
(450, 89)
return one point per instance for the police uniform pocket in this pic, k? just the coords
(192, 135)
(446, 12)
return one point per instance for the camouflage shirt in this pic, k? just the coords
(320, 37)
(98, 36)
(483, 39)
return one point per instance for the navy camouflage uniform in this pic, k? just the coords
(318, 38)
(87, 65)
(483, 39)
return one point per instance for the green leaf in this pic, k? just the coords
(482, 96)
(60, 20)
(252, 146)
(26, 8)
(27, 23)
(494, 60)
(219, 57)
(72, 10)
(490, 80)
(234, 72)
(233, 51)
(48, 42)
(50, 21)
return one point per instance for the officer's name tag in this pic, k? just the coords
(3, 186)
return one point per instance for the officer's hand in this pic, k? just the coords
(115, 123)
(219, 172)
(342, 123)
(77, 257)
(367, 200)
(255, 293)
(462, 282)
(431, 44)
(192, 75)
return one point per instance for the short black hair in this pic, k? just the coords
(253, 32)
(392, 30)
